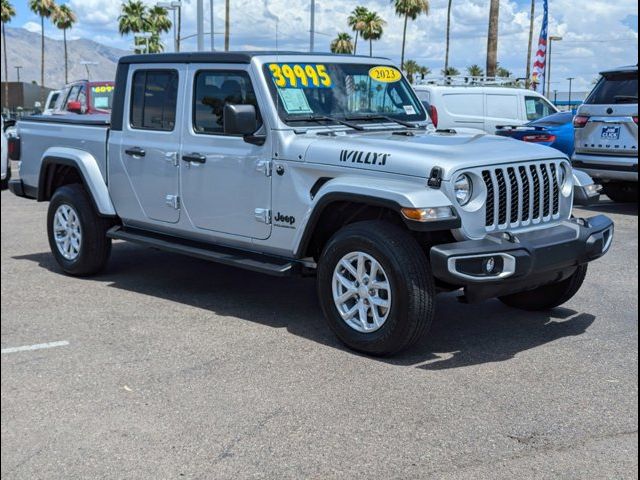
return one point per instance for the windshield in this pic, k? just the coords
(304, 92)
(101, 97)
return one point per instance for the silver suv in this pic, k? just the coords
(606, 133)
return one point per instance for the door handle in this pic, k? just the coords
(135, 152)
(194, 157)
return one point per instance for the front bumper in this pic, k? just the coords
(507, 263)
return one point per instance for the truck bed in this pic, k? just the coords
(38, 134)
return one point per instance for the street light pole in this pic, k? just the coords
(571, 79)
(174, 6)
(551, 40)
(312, 26)
(200, 24)
(86, 66)
(213, 47)
(18, 68)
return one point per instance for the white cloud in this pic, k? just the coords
(597, 34)
(32, 27)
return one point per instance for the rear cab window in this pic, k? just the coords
(615, 88)
(153, 100)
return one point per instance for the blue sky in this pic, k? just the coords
(597, 34)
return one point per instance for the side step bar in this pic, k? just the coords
(256, 262)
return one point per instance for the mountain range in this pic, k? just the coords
(23, 49)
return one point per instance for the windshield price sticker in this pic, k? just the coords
(103, 88)
(287, 75)
(385, 74)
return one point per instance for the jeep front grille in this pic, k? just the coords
(520, 195)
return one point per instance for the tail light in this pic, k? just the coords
(434, 115)
(540, 137)
(13, 148)
(635, 119)
(580, 121)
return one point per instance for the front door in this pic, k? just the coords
(225, 182)
(149, 148)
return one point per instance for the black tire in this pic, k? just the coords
(95, 246)
(4, 184)
(623, 192)
(548, 296)
(409, 275)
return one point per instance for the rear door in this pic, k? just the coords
(150, 142)
(612, 108)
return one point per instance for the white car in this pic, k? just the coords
(50, 104)
(4, 157)
(482, 108)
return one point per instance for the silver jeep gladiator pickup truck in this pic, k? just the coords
(320, 164)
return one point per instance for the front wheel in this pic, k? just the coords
(548, 296)
(375, 287)
(77, 234)
(623, 192)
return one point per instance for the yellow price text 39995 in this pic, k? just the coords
(287, 75)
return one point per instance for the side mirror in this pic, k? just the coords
(240, 119)
(75, 107)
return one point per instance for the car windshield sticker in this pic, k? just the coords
(385, 74)
(289, 75)
(531, 107)
(409, 110)
(294, 100)
(101, 102)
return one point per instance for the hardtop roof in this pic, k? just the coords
(625, 69)
(222, 57)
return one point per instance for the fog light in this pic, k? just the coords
(489, 265)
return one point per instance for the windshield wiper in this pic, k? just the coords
(324, 118)
(385, 117)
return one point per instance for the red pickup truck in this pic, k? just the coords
(85, 97)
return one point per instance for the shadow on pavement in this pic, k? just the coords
(607, 206)
(461, 335)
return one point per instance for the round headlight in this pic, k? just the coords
(565, 179)
(463, 188)
(562, 175)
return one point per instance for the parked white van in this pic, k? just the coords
(482, 108)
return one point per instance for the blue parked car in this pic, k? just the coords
(554, 130)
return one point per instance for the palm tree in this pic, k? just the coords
(451, 72)
(448, 38)
(411, 67)
(372, 28)
(503, 72)
(157, 22)
(342, 44)
(424, 71)
(132, 18)
(64, 18)
(44, 9)
(355, 22)
(475, 71)
(528, 70)
(7, 12)
(409, 9)
(492, 38)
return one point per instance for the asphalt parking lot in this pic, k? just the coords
(178, 368)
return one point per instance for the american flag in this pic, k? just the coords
(539, 64)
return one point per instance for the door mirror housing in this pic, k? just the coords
(74, 107)
(240, 119)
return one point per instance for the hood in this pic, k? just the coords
(417, 154)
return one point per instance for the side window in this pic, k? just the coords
(537, 107)
(213, 90)
(153, 100)
(73, 95)
(82, 98)
(502, 106)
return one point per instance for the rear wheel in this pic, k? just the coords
(375, 287)
(548, 296)
(77, 234)
(624, 192)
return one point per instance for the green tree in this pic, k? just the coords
(132, 19)
(44, 9)
(448, 37)
(372, 29)
(411, 68)
(475, 71)
(135, 17)
(157, 21)
(409, 9)
(342, 44)
(424, 71)
(451, 72)
(7, 12)
(492, 38)
(64, 18)
(354, 21)
(503, 72)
